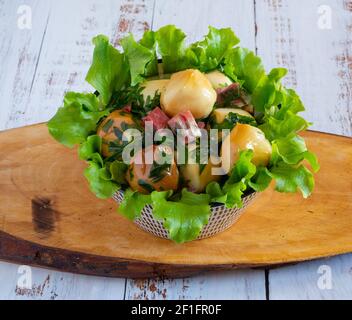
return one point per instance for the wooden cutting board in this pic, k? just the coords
(49, 218)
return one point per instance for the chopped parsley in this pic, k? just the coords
(146, 186)
(231, 120)
(159, 172)
(107, 126)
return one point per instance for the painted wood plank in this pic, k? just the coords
(19, 54)
(52, 285)
(319, 63)
(51, 59)
(67, 50)
(194, 17)
(319, 60)
(234, 285)
(328, 279)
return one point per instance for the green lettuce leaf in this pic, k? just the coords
(138, 57)
(261, 180)
(100, 181)
(90, 149)
(133, 204)
(217, 195)
(289, 178)
(78, 117)
(291, 149)
(212, 50)
(268, 90)
(233, 190)
(242, 64)
(118, 171)
(109, 70)
(149, 41)
(184, 219)
(172, 49)
(274, 128)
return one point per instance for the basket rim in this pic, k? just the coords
(212, 204)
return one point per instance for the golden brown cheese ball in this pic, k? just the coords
(111, 128)
(153, 87)
(146, 178)
(218, 79)
(188, 90)
(245, 137)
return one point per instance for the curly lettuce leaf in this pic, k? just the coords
(290, 178)
(172, 49)
(232, 192)
(90, 149)
(78, 117)
(118, 171)
(243, 65)
(184, 219)
(138, 57)
(261, 180)
(149, 41)
(267, 93)
(274, 128)
(133, 204)
(100, 181)
(109, 70)
(212, 50)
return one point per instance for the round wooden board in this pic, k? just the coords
(48, 217)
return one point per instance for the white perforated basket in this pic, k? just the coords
(221, 218)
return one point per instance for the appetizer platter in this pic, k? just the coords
(205, 153)
(175, 132)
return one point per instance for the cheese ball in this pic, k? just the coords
(151, 88)
(245, 137)
(221, 114)
(146, 178)
(188, 90)
(111, 128)
(218, 79)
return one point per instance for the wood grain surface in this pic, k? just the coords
(50, 218)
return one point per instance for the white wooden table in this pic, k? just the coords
(45, 50)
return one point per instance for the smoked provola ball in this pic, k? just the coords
(146, 177)
(188, 90)
(218, 79)
(111, 128)
(151, 88)
(245, 137)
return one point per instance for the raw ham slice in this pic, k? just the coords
(158, 117)
(185, 121)
(228, 94)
